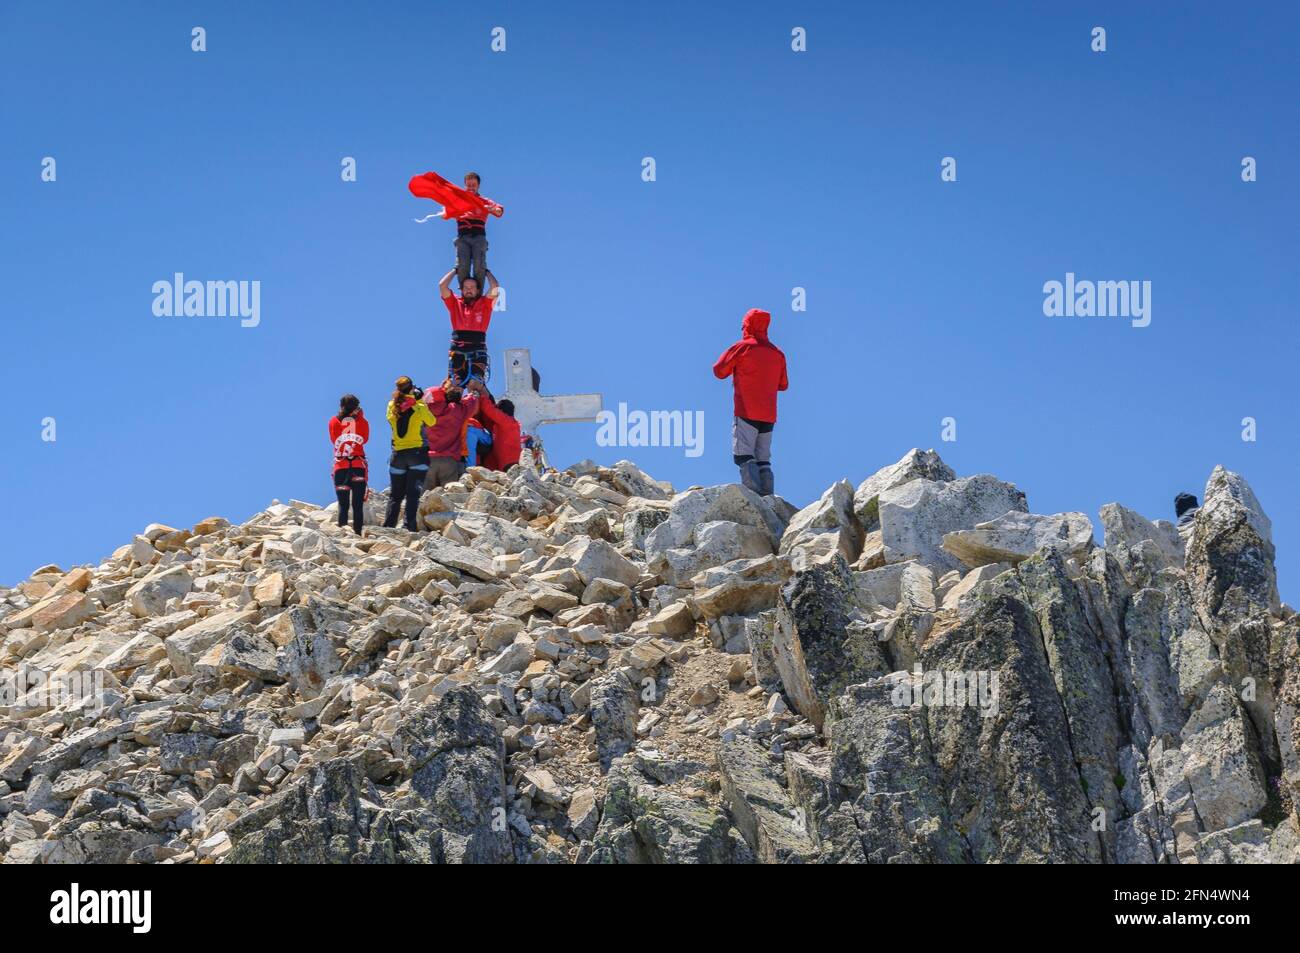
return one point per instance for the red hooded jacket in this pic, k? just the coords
(349, 436)
(507, 440)
(757, 369)
(447, 437)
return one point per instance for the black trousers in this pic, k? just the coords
(350, 488)
(406, 472)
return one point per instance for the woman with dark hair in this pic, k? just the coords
(408, 415)
(349, 431)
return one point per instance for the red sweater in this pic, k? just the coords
(507, 441)
(447, 437)
(349, 437)
(757, 369)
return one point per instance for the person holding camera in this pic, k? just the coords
(408, 415)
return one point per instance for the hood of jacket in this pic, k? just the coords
(755, 324)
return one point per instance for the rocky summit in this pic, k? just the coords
(586, 666)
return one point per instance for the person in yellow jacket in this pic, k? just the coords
(408, 415)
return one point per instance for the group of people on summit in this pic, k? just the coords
(438, 432)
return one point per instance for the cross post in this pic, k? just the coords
(531, 408)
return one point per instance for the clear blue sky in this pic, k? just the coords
(775, 169)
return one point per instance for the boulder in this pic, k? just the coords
(735, 595)
(825, 528)
(143, 649)
(916, 587)
(754, 792)
(730, 502)
(883, 585)
(331, 816)
(1222, 763)
(454, 758)
(269, 591)
(819, 646)
(955, 598)
(713, 544)
(61, 610)
(675, 621)
(612, 709)
(451, 761)
(186, 646)
(644, 824)
(150, 595)
(639, 523)
(595, 559)
(915, 517)
(915, 465)
(243, 654)
(1230, 553)
(1015, 536)
(462, 558)
(1129, 530)
(884, 795)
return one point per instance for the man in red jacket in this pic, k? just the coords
(507, 441)
(757, 369)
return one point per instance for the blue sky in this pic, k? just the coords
(775, 169)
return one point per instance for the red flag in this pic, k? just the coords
(454, 200)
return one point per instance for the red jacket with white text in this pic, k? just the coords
(349, 437)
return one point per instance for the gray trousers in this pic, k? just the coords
(748, 441)
(471, 259)
(443, 470)
(752, 450)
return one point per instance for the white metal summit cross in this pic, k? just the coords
(531, 408)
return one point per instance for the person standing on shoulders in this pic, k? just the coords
(471, 236)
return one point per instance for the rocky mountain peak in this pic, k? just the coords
(587, 666)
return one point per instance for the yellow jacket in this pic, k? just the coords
(420, 417)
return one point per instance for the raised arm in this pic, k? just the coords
(487, 405)
(493, 289)
(436, 398)
(444, 286)
(725, 364)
